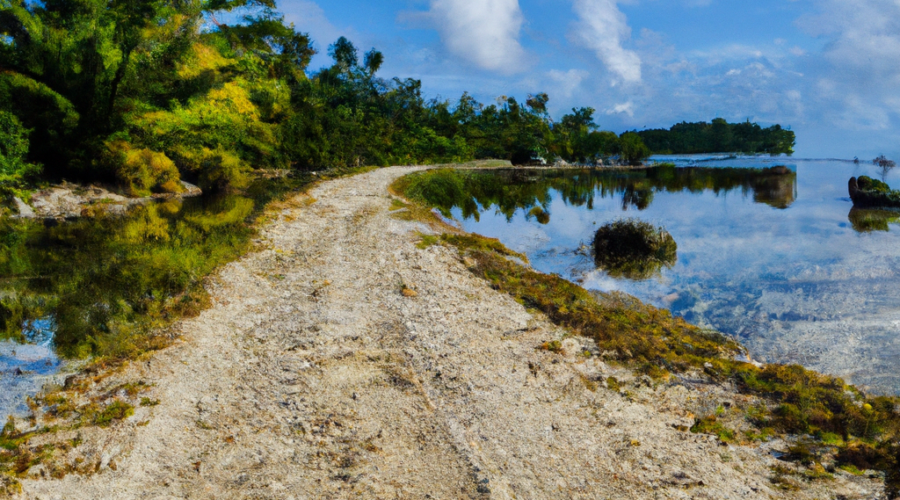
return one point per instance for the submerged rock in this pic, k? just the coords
(634, 249)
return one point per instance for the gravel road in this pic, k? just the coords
(313, 376)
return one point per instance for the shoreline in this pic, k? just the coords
(343, 348)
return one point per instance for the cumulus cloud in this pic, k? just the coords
(482, 32)
(622, 108)
(602, 27)
(565, 83)
(858, 72)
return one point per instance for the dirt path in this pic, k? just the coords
(313, 376)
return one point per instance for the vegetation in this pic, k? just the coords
(14, 169)
(634, 249)
(864, 430)
(719, 136)
(872, 193)
(145, 94)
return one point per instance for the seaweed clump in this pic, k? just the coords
(634, 249)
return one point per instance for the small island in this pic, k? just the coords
(867, 192)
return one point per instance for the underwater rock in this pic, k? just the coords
(634, 249)
(867, 192)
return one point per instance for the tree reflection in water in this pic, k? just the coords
(509, 190)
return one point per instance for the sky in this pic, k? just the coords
(828, 69)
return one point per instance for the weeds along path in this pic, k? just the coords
(314, 376)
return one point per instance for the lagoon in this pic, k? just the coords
(779, 261)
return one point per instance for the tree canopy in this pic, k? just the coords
(148, 93)
(719, 136)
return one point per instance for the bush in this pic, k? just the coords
(633, 249)
(142, 171)
(217, 169)
(869, 184)
(13, 149)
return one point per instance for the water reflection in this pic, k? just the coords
(511, 190)
(104, 286)
(867, 220)
(767, 256)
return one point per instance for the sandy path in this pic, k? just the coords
(312, 376)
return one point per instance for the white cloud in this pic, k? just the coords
(603, 29)
(859, 69)
(565, 83)
(626, 108)
(482, 32)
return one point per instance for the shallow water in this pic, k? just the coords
(25, 367)
(102, 286)
(778, 262)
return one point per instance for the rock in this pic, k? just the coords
(72, 201)
(24, 210)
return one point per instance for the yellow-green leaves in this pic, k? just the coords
(141, 170)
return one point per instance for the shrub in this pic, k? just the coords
(142, 171)
(867, 183)
(217, 169)
(13, 149)
(633, 249)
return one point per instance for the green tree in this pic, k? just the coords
(13, 150)
(632, 148)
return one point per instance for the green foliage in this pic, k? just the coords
(867, 183)
(632, 148)
(868, 220)
(719, 137)
(109, 283)
(219, 102)
(634, 249)
(510, 190)
(711, 425)
(142, 171)
(867, 192)
(13, 149)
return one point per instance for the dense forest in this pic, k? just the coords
(719, 137)
(145, 94)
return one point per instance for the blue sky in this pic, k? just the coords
(829, 69)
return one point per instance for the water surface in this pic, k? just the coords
(781, 262)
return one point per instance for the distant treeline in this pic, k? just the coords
(718, 137)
